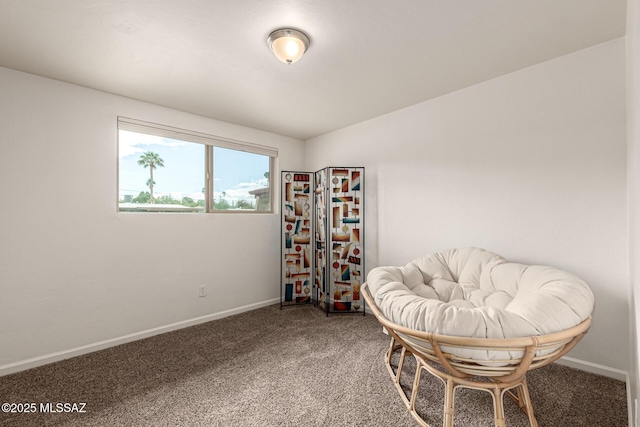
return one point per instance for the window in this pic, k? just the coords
(165, 169)
(160, 174)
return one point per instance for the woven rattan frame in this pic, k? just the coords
(507, 376)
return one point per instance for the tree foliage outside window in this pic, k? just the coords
(150, 160)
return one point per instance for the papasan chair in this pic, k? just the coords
(474, 320)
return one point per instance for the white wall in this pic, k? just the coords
(73, 271)
(530, 165)
(633, 165)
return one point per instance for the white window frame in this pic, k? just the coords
(209, 141)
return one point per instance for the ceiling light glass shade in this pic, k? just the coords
(288, 45)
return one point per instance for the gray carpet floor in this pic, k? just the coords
(272, 367)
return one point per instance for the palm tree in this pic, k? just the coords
(151, 160)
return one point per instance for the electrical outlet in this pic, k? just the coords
(203, 291)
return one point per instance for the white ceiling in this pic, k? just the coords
(367, 57)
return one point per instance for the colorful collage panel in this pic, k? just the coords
(297, 248)
(346, 251)
(320, 237)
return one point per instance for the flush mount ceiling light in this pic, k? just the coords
(288, 45)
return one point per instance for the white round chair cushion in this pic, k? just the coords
(472, 292)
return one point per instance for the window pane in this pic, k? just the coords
(240, 180)
(159, 174)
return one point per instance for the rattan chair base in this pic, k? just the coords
(506, 376)
(451, 384)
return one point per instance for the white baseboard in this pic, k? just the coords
(594, 368)
(66, 354)
(23, 365)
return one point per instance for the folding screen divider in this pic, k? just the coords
(296, 229)
(322, 232)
